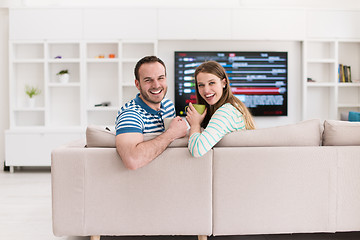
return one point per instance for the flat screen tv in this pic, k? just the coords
(258, 79)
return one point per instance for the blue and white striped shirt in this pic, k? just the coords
(137, 117)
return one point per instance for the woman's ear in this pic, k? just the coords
(223, 83)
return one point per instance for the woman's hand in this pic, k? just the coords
(193, 117)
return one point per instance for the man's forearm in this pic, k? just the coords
(147, 151)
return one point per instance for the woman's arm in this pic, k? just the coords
(225, 120)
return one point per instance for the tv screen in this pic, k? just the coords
(258, 79)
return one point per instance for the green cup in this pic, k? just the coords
(200, 108)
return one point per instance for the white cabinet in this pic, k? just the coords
(120, 23)
(333, 24)
(324, 96)
(101, 80)
(31, 24)
(268, 24)
(33, 148)
(194, 24)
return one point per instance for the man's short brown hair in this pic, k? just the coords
(147, 59)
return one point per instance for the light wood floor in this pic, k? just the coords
(25, 213)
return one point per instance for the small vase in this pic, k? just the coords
(31, 102)
(64, 78)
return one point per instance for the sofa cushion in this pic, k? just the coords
(354, 116)
(341, 133)
(306, 133)
(97, 136)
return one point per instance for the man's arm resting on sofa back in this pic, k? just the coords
(135, 152)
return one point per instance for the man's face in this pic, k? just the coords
(152, 84)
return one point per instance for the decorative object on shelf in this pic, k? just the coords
(344, 72)
(32, 92)
(58, 57)
(354, 116)
(111, 55)
(103, 104)
(63, 76)
(310, 80)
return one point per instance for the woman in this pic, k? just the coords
(224, 112)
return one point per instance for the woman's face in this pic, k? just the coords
(210, 87)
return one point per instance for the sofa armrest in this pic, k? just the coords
(67, 182)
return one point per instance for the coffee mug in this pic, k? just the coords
(200, 108)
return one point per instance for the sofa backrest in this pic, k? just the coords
(341, 133)
(306, 133)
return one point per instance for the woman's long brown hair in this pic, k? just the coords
(216, 69)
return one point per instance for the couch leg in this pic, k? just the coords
(95, 238)
(202, 237)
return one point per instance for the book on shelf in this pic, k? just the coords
(349, 73)
(344, 73)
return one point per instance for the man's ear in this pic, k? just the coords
(137, 84)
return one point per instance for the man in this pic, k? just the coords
(145, 114)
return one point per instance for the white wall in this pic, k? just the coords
(4, 82)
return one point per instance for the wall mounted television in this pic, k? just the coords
(258, 79)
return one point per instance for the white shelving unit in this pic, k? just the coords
(326, 97)
(100, 71)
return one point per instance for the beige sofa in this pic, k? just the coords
(298, 178)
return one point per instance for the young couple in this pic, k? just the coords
(145, 113)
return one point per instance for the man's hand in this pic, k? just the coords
(177, 128)
(135, 152)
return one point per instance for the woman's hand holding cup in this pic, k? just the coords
(195, 114)
(200, 108)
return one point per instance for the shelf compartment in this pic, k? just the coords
(349, 54)
(349, 96)
(29, 118)
(128, 76)
(129, 93)
(65, 50)
(102, 84)
(132, 51)
(320, 103)
(321, 50)
(95, 50)
(344, 110)
(102, 118)
(74, 72)
(322, 72)
(64, 106)
(22, 51)
(31, 74)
